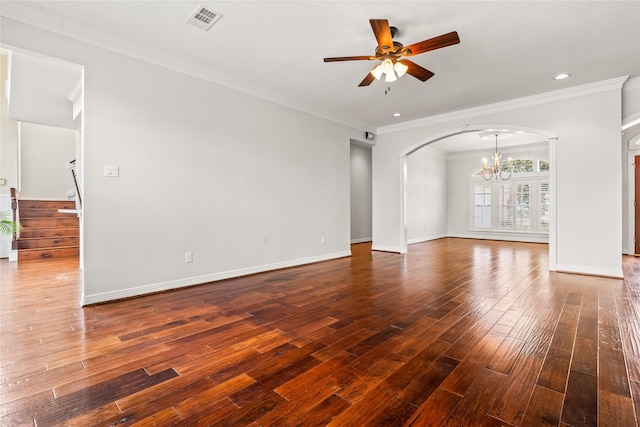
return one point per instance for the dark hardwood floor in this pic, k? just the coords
(457, 332)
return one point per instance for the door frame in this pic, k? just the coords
(633, 150)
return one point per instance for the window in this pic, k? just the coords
(522, 207)
(543, 166)
(545, 206)
(482, 201)
(520, 166)
(521, 204)
(506, 206)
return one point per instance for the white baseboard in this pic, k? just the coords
(385, 248)
(527, 238)
(198, 280)
(591, 271)
(361, 240)
(425, 239)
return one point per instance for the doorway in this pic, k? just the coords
(44, 119)
(361, 192)
(636, 237)
(549, 137)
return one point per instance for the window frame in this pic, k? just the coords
(533, 179)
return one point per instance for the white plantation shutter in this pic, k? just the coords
(482, 205)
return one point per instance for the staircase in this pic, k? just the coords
(47, 233)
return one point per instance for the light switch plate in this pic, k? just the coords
(112, 171)
(3, 181)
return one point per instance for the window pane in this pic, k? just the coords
(545, 206)
(543, 166)
(482, 212)
(523, 221)
(506, 206)
(522, 165)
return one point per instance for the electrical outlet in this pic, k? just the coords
(188, 257)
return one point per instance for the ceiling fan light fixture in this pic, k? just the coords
(377, 72)
(387, 66)
(391, 77)
(400, 69)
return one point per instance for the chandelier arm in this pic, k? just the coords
(505, 175)
(487, 174)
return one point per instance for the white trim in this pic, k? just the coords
(553, 233)
(403, 204)
(386, 249)
(5, 241)
(631, 189)
(473, 129)
(631, 84)
(190, 281)
(426, 239)
(361, 240)
(585, 269)
(542, 98)
(107, 41)
(631, 120)
(507, 237)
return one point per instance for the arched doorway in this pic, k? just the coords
(550, 137)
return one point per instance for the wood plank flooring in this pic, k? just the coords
(455, 333)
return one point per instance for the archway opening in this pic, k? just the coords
(461, 149)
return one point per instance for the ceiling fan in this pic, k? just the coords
(389, 53)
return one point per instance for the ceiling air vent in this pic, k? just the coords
(204, 18)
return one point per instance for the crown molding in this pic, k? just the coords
(631, 84)
(85, 34)
(542, 98)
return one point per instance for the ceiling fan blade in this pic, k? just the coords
(433, 44)
(382, 32)
(348, 58)
(417, 71)
(367, 80)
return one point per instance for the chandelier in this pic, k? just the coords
(498, 168)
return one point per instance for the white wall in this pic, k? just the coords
(243, 183)
(8, 136)
(587, 122)
(8, 153)
(461, 166)
(360, 193)
(426, 210)
(44, 150)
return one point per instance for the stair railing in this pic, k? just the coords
(72, 167)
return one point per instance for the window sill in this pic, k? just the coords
(516, 232)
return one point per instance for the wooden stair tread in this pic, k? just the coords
(47, 233)
(47, 253)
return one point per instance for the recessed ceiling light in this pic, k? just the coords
(562, 76)
(397, 114)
